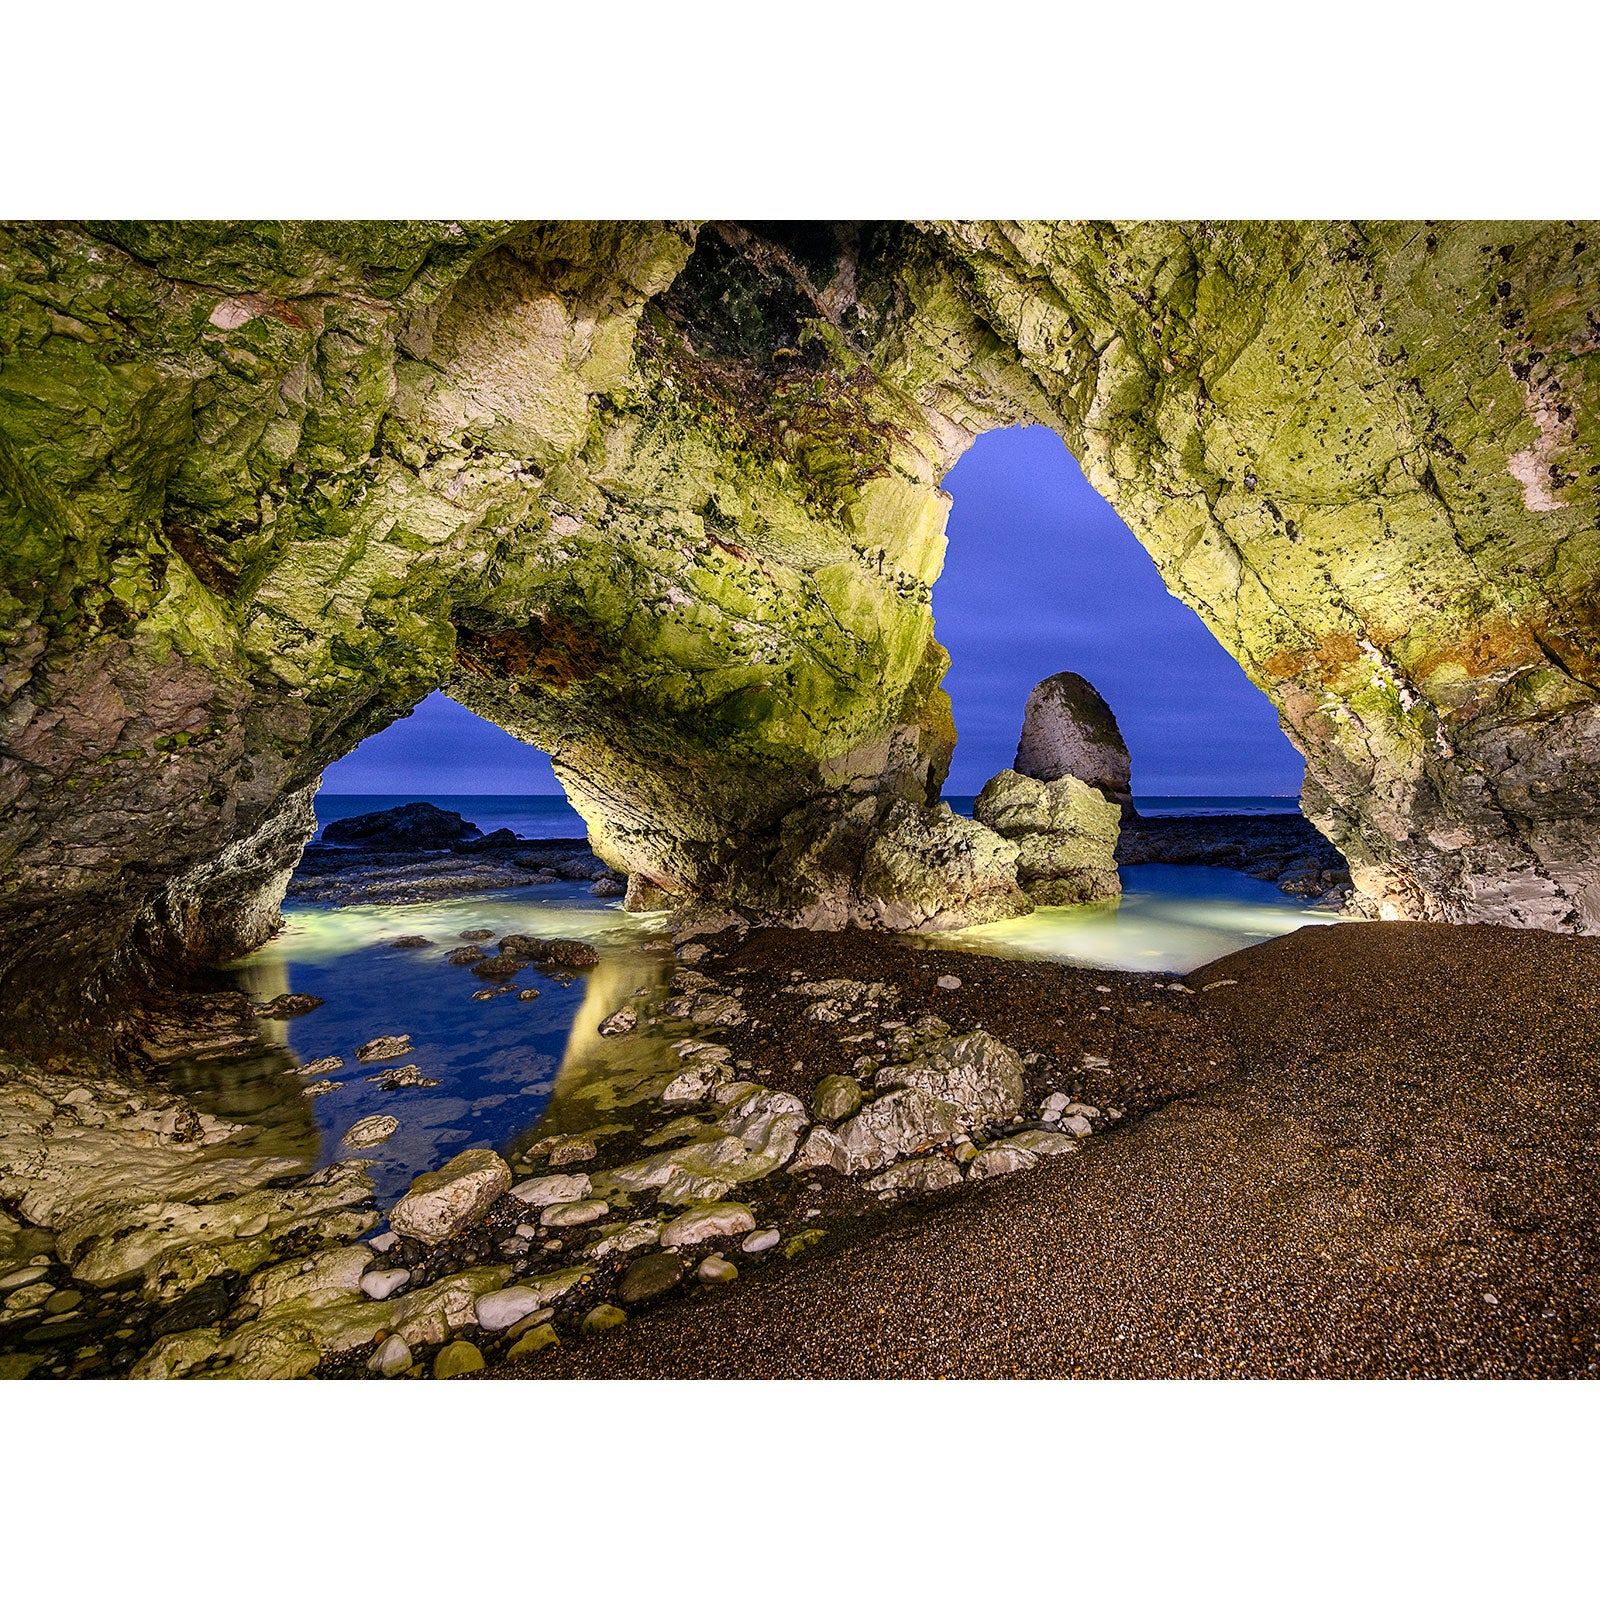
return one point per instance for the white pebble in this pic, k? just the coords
(380, 1285)
(761, 1239)
(951, 981)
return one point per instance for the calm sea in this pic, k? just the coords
(529, 816)
(548, 816)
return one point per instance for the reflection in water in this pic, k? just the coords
(496, 1060)
(506, 1067)
(1169, 919)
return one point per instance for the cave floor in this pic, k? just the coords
(1372, 1153)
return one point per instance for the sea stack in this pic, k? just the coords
(1068, 731)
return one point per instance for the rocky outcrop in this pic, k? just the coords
(1284, 848)
(418, 826)
(1064, 832)
(1068, 731)
(663, 499)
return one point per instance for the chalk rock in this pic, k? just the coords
(706, 1222)
(441, 1203)
(1068, 731)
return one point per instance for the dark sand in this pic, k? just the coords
(1376, 1129)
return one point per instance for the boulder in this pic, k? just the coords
(457, 1359)
(1068, 731)
(974, 1071)
(418, 826)
(1064, 832)
(706, 1222)
(441, 1203)
(897, 1124)
(929, 868)
(928, 1174)
(836, 1096)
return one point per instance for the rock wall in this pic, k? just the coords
(663, 499)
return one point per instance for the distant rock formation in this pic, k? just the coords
(1065, 833)
(418, 826)
(1068, 731)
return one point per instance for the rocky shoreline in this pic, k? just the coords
(794, 1117)
(1284, 849)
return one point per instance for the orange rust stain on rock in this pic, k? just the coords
(1332, 653)
(550, 652)
(1493, 646)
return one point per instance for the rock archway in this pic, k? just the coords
(664, 499)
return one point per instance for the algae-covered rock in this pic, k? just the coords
(665, 498)
(441, 1203)
(1064, 831)
(836, 1096)
(973, 1071)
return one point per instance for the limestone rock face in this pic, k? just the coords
(664, 499)
(1068, 731)
(1065, 834)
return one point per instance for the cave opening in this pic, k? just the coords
(447, 756)
(1042, 576)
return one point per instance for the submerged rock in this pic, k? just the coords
(287, 1005)
(619, 1022)
(441, 1203)
(371, 1131)
(549, 952)
(387, 1047)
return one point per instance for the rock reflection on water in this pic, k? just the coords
(498, 1061)
(1169, 919)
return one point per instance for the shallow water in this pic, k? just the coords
(1169, 919)
(497, 1060)
(509, 1069)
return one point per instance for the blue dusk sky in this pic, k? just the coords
(1041, 577)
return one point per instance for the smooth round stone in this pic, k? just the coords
(380, 1285)
(948, 981)
(707, 1222)
(531, 1343)
(716, 1270)
(502, 1308)
(391, 1357)
(534, 1319)
(761, 1239)
(650, 1277)
(552, 1190)
(22, 1277)
(572, 1213)
(603, 1319)
(63, 1300)
(457, 1359)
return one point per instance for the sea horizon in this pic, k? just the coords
(551, 816)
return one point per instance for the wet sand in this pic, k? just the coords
(1374, 1153)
